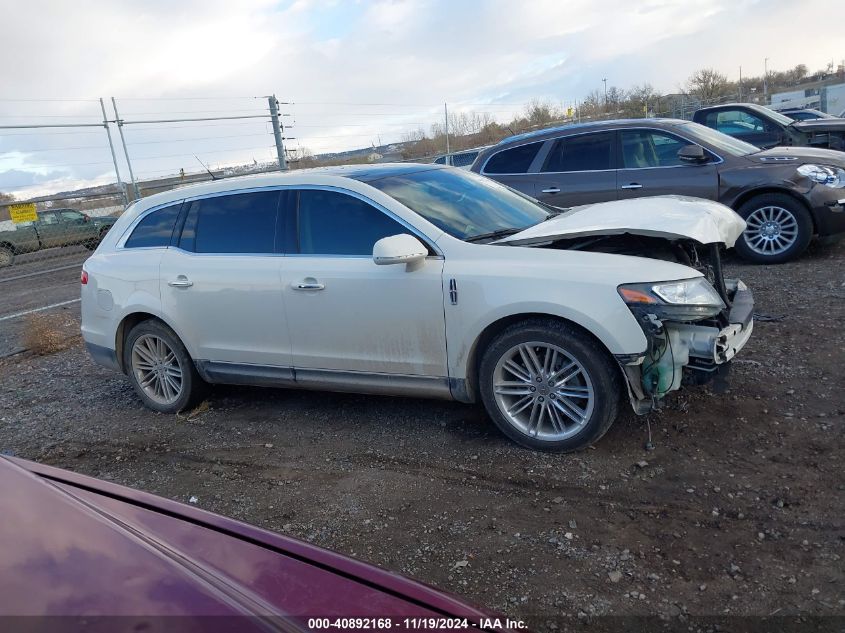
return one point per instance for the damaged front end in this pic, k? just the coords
(694, 327)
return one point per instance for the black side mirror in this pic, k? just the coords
(692, 154)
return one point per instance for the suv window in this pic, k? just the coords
(585, 152)
(738, 121)
(155, 229)
(234, 223)
(516, 160)
(462, 160)
(333, 223)
(650, 148)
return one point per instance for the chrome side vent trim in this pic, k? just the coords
(453, 292)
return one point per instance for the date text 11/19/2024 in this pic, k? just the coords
(427, 624)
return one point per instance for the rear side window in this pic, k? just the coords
(462, 160)
(155, 229)
(516, 160)
(585, 152)
(333, 223)
(235, 223)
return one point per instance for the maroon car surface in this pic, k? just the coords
(76, 547)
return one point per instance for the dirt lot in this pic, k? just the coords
(738, 509)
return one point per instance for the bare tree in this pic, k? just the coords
(707, 84)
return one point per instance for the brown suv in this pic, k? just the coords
(785, 194)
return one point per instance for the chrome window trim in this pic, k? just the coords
(286, 187)
(598, 171)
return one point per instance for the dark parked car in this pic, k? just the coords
(53, 228)
(804, 114)
(786, 195)
(766, 128)
(78, 547)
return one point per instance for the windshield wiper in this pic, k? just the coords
(492, 235)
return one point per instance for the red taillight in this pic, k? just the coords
(83, 278)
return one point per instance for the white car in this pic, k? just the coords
(417, 280)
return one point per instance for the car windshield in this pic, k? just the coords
(720, 141)
(463, 204)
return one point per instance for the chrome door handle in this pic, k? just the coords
(633, 185)
(550, 190)
(181, 282)
(308, 286)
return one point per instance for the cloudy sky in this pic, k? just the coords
(356, 73)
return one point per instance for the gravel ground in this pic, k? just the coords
(738, 510)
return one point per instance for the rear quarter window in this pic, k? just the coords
(515, 160)
(155, 229)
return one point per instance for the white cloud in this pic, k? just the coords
(324, 55)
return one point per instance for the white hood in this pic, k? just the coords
(672, 217)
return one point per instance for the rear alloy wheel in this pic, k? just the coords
(7, 257)
(549, 387)
(160, 369)
(778, 229)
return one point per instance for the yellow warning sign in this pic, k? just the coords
(23, 212)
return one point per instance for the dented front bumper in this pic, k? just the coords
(687, 352)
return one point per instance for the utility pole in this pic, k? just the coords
(277, 131)
(740, 83)
(765, 80)
(113, 155)
(605, 94)
(446, 127)
(119, 122)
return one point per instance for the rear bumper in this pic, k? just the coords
(103, 355)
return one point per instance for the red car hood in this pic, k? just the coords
(78, 546)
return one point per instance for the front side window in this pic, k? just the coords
(155, 229)
(584, 152)
(738, 121)
(234, 223)
(516, 160)
(650, 148)
(334, 223)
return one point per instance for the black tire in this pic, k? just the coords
(797, 211)
(7, 256)
(603, 372)
(193, 388)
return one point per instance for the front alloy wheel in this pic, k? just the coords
(771, 231)
(543, 391)
(549, 385)
(778, 229)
